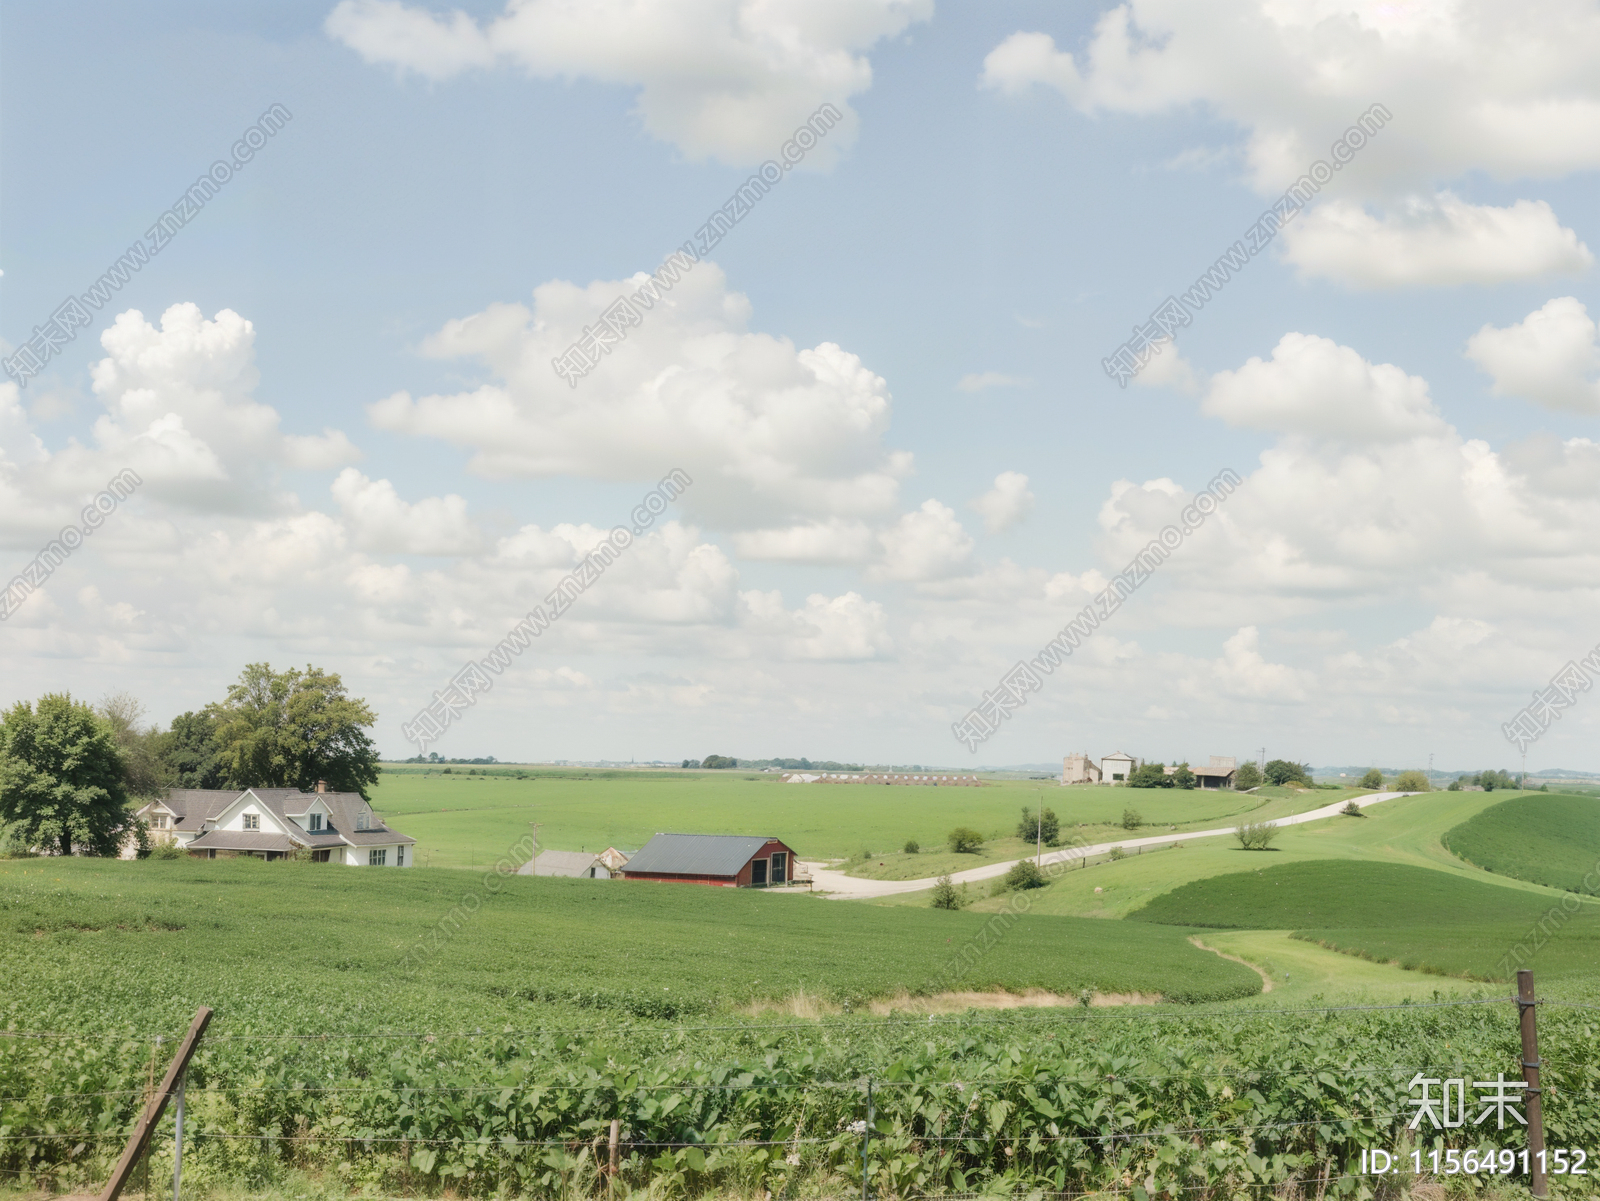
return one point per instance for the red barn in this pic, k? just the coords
(724, 860)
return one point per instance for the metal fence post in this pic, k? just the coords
(1527, 1014)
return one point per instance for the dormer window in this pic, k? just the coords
(252, 821)
(316, 823)
(363, 820)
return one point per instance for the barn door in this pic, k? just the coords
(758, 872)
(780, 867)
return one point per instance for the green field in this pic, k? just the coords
(1324, 893)
(469, 820)
(1547, 839)
(545, 1007)
(156, 938)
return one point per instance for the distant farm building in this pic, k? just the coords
(723, 860)
(566, 863)
(1116, 767)
(1079, 769)
(927, 780)
(1216, 774)
(614, 859)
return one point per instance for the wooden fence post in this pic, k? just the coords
(1527, 1013)
(140, 1138)
(616, 1157)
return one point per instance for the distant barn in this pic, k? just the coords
(724, 860)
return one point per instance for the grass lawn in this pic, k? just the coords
(1548, 839)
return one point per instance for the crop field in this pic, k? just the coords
(1546, 839)
(1342, 892)
(543, 1008)
(464, 820)
(107, 941)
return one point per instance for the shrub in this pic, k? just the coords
(1183, 777)
(1351, 809)
(1373, 778)
(1255, 836)
(1117, 853)
(1286, 771)
(911, 847)
(1131, 819)
(946, 895)
(1045, 825)
(1248, 776)
(1025, 874)
(1412, 781)
(166, 850)
(964, 840)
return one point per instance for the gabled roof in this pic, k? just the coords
(696, 854)
(200, 805)
(1117, 755)
(563, 863)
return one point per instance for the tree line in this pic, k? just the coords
(72, 774)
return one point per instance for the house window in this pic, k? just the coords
(316, 823)
(377, 858)
(1116, 775)
(158, 822)
(363, 820)
(252, 821)
(399, 856)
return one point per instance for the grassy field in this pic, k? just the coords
(469, 820)
(1547, 839)
(1346, 893)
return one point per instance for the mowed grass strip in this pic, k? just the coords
(1344, 894)
(1552, 840)
(320, 947)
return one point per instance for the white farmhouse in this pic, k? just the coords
(1116, 767)
(270, 823)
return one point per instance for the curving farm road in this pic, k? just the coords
(851, 888)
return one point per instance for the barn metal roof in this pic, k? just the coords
(696, 854)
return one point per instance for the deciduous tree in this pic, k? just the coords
(291, 729)
(61, 778)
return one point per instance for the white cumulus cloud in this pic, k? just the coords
(926, 544)
(1551, 357)
(1315, 387)
(1432, 243)
(1007, 504)
(380, 520)
(729, 79)
(772, 435)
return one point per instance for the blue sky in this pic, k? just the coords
(1015, 187)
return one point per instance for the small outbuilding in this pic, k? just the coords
(723, 860)
(566, 863)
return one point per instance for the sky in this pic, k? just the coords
(366, 234)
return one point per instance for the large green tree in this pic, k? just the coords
(189, 752)
(61, 778)
(1286, 771)
(290, 729)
